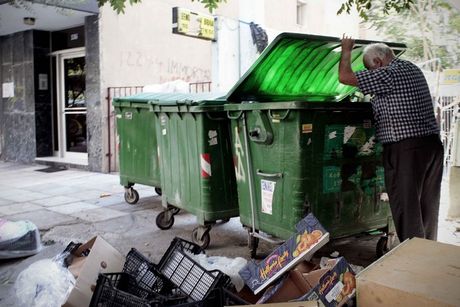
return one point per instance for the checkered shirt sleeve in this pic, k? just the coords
(401, 102)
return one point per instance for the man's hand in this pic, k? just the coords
(346, 74)
(347, 43)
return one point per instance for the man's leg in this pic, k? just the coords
(432, 190)
(403, 180)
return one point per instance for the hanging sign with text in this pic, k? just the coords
(193, 24)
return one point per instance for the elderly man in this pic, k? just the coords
(407, 128)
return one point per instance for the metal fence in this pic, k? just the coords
(448, 114)
(123, 91)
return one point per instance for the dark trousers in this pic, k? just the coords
(413, 174)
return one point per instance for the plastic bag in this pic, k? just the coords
(45, 283)
(229, 266)
(18, 239)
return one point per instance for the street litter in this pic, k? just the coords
(229, 266)
(44, 283)
(18, 239)
(176, 280)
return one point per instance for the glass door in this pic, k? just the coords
(72, 105)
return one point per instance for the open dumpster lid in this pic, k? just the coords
(175, 99)
(299, 67)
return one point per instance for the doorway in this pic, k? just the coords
(70, 119)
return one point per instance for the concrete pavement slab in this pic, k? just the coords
(43, 219)
(18, 208)
(73, 207)
(55, 201)
(98, 215)
(23, 196)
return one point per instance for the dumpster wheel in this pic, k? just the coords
(158, 191)
(175, 210)
(204, 241)
(162, 220)
(131, 196)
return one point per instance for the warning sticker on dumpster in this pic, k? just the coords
(267, 188)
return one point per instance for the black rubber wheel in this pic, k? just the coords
(164, 223)
(253, 244)
(131, 196)
(158, 191)
(175, 210)
(223, 221)
(382, 247)
(203, 243)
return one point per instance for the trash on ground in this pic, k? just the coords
(310, 236)
(86, 261)
(18, 239)
(229, 266)
(44, 283)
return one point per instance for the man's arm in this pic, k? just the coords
(346, 74)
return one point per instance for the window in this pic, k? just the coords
(301, 6)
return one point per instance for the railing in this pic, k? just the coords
(122, 91)
(449, 116)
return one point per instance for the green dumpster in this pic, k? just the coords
(301, 145)
(193, 134)
(138, 155)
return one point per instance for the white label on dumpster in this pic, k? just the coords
(267, 188)
(212, 134)
(163, 131)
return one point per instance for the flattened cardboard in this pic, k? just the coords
(310, 236)
(326, 284)
(103, 258)
(290, 304)
(417, 272)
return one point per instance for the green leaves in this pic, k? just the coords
(117, 5)
(120, 5)
(211, 4)
(364, 6)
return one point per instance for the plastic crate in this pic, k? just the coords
(146, 273)
(122, 290)
(190, 277)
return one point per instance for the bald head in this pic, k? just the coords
(377, 55)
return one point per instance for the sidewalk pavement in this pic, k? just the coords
(75, 205)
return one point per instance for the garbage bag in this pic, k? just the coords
(45, 283)
(229, 266)
(18, 239)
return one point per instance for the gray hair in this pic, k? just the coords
(378, 50)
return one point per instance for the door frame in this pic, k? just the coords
(60, 56)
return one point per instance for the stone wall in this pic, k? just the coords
(93, 95)
(17, 132)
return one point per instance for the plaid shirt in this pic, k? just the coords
(402, 102)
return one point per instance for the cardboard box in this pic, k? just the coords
(310, 236)
(417, 272)
(290, 304)
(103, 258)
(333, 285)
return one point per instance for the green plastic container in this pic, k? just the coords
(300, 145)
(138, 154)
(193, 134)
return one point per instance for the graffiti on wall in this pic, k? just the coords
(167, 69)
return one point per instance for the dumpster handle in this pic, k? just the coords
(249, 165)
(208, 115)
(276, 117)
(272, 175)
(234, 117)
